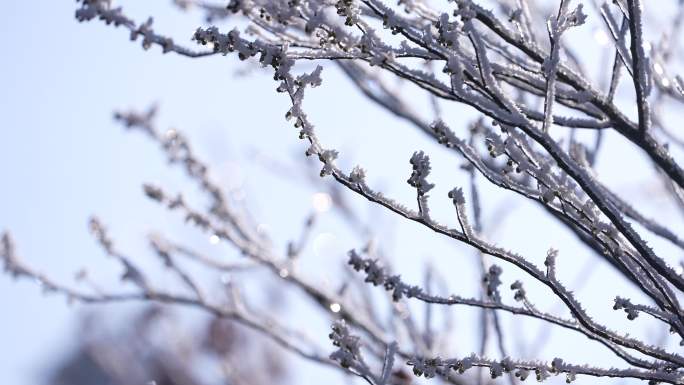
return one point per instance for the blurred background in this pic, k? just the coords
(64, 159)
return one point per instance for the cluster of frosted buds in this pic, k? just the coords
(12, 265)
(421, 169)
(234, 6)
(436, 366)
(376, 275)
(522, 374)
(492, 282)
(426, 367)
(154, 192)
(448, 31)
(145, 30)
(442, 131)
(349, 10)
(355, 260)
(574, 18)
(349, 345)
(137, 120)
(550, 262)
(270, 55)
(394, 285)
(462, 365)
(358, 175)
(495, 146)
(557, 366)
(626, 304)
(520, 293)
(312, 79)
(456, 195)
(327, 157)
(541, 373)
(91, 9)
(497, 369)
(101, 235)
(391, 22)
(225, 43)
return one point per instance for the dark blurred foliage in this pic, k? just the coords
(152, 346)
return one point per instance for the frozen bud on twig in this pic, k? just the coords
(374, 273)
(12, 266)
(495, 370)
(464, 364)
(570, 377)
(348, 344)
(358, 175)
(421, 169)
(327, 157)
(145, 30)
(100, 234)
(492, 282)
(542, 373)
(522, 374)
(495, 145)
(441, 130)
(557, 365)
(574, 18)
(626, 304)
(507, 364)
(355, 260)
(550, 262)
(425, 367)
(457, 196)
(153, 192)
(313, 79)
(394, 284)
(520, 293)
